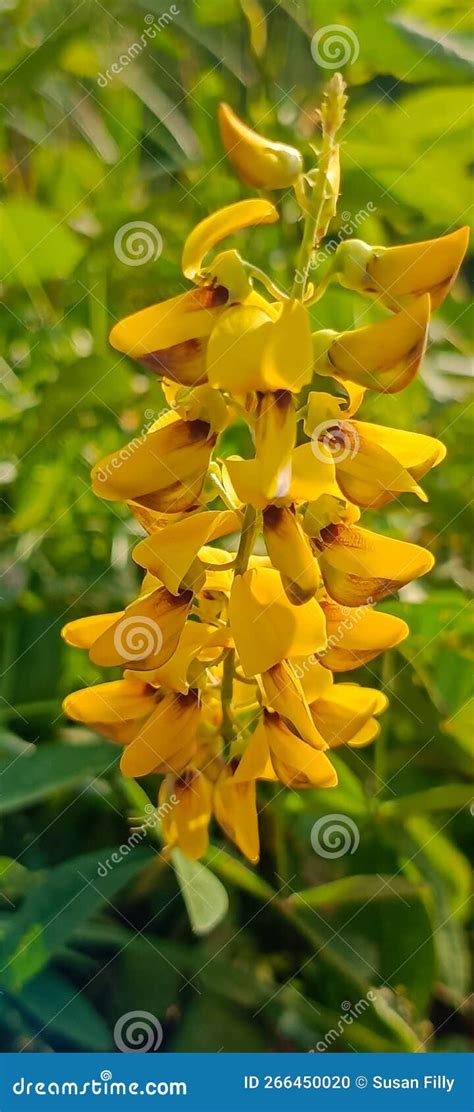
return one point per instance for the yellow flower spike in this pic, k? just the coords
(185, 805)
(283, 693)
(344, 711)
(174, 675)
(384, 356)
(235, 808)
(291, 554)
(157, 465)
(167, 741)
(256, 160)
(395, 274)
(145, 635)
(169, 553)
(265, 626)
(275, 436)
(249, 351)
(357, 635)
(297, 764)
(358, 565)
(216, 227)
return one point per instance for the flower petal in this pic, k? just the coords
(225, 222)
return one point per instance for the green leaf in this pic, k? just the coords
(353, 889)
(445, 797)
(205, 897)
(61, 1011)
(38, 773)
(50, 914)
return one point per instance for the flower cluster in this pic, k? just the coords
(229, 651)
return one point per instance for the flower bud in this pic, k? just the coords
(257, 160)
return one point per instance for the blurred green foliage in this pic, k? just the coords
(81, 156)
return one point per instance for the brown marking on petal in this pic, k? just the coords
(184, 363)
(206, 297)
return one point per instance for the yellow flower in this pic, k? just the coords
(355, 636)
(291, 554)
(283, 693)
(185, 807)
(384, 356)
(343, 713)
(275, 436)
(171, 337)
(171, 553)
(358, 565)
(261, 348)
(294, 762)
(112, 709)
(235, 808)
(374, 464)
(163, 470)
(257, 160)
(143, 636)
(167, 741)
(396, 274)
(308, 477)
(265, 626)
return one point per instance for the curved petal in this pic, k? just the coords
(360, 567)
(358, 635)
(384, 356)
(169, 553)
(216, 227)
(256, 160)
